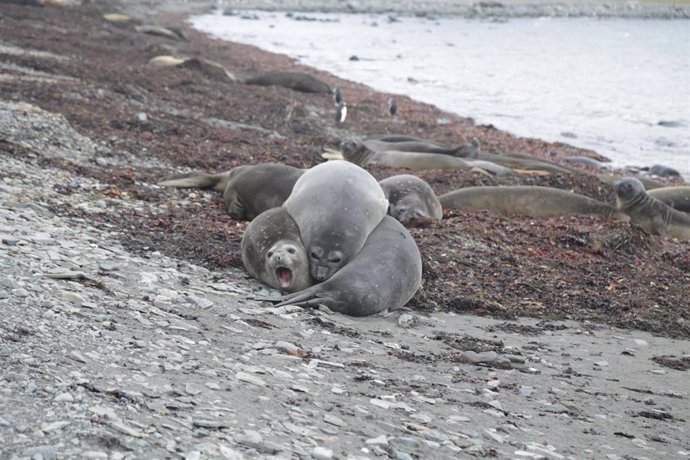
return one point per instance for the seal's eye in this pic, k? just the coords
(314, 255)
(270, 254)
(291, 250)
(335, 260)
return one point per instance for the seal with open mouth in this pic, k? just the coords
(272, 251)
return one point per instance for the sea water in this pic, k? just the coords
(620, 87)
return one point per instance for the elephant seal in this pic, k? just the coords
(386, 273)
(410, 197)
(336, 205)
(272, 251)
(663, 171)
(357, 151)
(247, 190)
(468, 150)
(589, 162)
(524, 201)
(654, 216)
(676, 197)
(293, 80)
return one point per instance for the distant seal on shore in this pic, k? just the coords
(663, 171)
(648, 183)
(272, 251)
(654, 216)
(524, 201)
(410, 197)
(297, 81)
(588, 161)
(405, 143)
(336, 205)
(676, 197)
(248, 190)
(386, 273)
(358, 152)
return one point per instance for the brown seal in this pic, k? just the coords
(386, 273)
(524, 201)
(676, 197)
(654, 216)
(410, 197)
(247, 190)
(336, 205)
(272, 251)
(293, 80)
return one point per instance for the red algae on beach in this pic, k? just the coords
(585, 268)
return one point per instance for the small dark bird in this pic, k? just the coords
(341, 113)
(392, 107)
(337, 96)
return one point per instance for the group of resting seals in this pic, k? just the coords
(332, 233)
(418, 154)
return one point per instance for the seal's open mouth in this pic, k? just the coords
(284, 276)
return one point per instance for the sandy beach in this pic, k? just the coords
(130, 329)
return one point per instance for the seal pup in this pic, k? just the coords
(248, 190)
(297, 81)
(410, 197)
(336, 205)
(272, 251)
(386, 273)
(356, 151)
(654, 216)
(676, 197)
(530, 201)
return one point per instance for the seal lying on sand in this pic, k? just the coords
(356, 151)
(385, 274)
(294, 80)
(410, 197)
(247, 190)
(676, 197)
(336, 205)
(524, 201)
(655, 217)
(423, 146)
(272, 251)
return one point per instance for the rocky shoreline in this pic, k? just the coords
(129, 330)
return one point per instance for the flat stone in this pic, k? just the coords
(249, 378)
(321, 453)
(333, 420)
(122, 428)
(46, 452)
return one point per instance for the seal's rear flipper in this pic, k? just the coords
(198, 180)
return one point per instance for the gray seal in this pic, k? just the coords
(336, 205)
(247, 190)
(297, 81)
(663, 171)
(524, 201)
(357, 151)
(676, 197)
(272, 251)
(654, 216)
(386, 273)
(410, 197)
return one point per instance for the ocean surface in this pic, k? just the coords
(620, 87)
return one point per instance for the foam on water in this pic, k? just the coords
(598, 84)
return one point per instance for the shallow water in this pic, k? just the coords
(600, 84)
